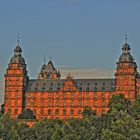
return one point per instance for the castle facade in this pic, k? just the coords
(51, 97)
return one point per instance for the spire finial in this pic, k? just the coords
(18, 40)
(50, 58)
(44, 60)
(126, 38)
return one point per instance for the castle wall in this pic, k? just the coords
(66, 104)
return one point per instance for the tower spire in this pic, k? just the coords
(126, 38)
(18, 40)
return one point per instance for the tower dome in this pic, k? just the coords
(126, 47)
(126, 56)
(18, 49)
(17, 57)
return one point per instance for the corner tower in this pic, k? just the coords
(126, 73)
(15, 84)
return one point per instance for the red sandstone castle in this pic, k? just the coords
(49, 96)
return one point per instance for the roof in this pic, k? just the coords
(126, 56)
(48, 71)
(37, 85)
(17, 57)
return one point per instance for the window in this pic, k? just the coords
(79, 111)
(95, 89)
(103, 84)
(28, 95)
(87, 103)
(80, 96)
(111, 88)
(57, 111)
(16, 111)
(34, 103)
(80, 103)
(71, 111)
(43, 88)
(9, 110)
(64, 103)
(42, 103)
(103, 97)
(72, 95)
(87, 89)
(57, 96)
(50, 88)
(34, 111)
(49, 103)
(34, 97)
(103, 88)
(49, 95)
(56, 103)
(80, 88)
(49, 112)
(16, 95)
(95, 96)
(87, 95)
(9, 102)
(64, 111)
(16, 102)
(42, 111)
(65, 95)
(88, 84)
(72, 103)
(103, 104)
(95, 104)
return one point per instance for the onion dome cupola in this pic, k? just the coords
(126, 56)
(17, 57)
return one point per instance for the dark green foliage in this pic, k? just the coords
(2, 108)
(122, 122)
(119, 102)
(88, 112)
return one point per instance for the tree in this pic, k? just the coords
(135, 109)
(125, 127)
(87, 112)
(8, 127)
(119, 102)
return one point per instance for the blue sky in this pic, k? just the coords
(74, 33)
